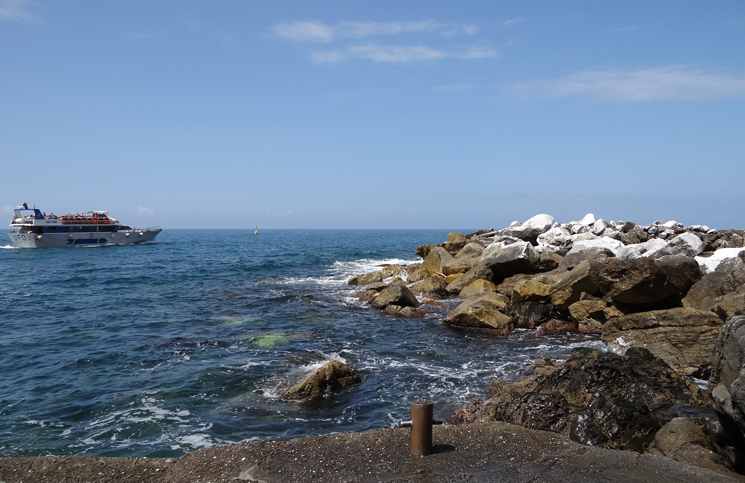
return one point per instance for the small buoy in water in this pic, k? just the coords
(256, 231)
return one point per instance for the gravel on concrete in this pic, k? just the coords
(491, 452)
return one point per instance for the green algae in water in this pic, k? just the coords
(267, 340)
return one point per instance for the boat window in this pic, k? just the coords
(50, 229)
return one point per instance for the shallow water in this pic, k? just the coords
(188, 342)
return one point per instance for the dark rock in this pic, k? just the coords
(459, 265)
(396, 295)
(455, 243)
(682, 337)
(600, 399)
(595, 254)
(423, 251)
(407, 312)
(508, 260)
(645, 281)
(467, 414)
(556, 326)
(581, 279)
(331, 377)
(531, 314)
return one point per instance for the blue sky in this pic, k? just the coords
(385, 114)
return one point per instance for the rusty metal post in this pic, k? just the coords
(421, 427)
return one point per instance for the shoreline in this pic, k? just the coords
(488, 452)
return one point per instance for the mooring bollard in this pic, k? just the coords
(421, 427)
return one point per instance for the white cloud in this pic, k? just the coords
(398, 53)
(664, 83)
(312, 31)
(144, 210)
(513, 21)
(15, 10)
(305, 31)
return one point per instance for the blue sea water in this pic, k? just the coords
(188, 342)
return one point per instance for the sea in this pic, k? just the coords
(188, 342)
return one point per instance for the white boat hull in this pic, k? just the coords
(70, 240)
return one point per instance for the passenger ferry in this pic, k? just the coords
(87, 228)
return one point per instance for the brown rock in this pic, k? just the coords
(481, 313)
(432, 286)
(477, 273)
(682, 337)
(556, 326)
(333, 376)
(477, 288)
(452, 278)
(459, 265)
(581, 279)
(588, 309)
(366, 279)
(435, 259)
(721, 291)
(396, 295)
(678, 433)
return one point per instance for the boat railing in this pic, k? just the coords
(154, 228)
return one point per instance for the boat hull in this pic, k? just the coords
(71, 240)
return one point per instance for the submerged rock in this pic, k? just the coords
(331, 377)
(481, 313)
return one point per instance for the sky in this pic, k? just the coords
(384, 114)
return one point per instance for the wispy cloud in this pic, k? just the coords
(312, 31)
(513, 21)
(664, 83)
(621, 29)
(144, 210)
(397, 53)
(17, 10)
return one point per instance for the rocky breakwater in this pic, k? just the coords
(657, 294)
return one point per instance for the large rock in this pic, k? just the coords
(600, 399)
(366, 279)
(436, 257)
(471, 250)
(722, 291)
(396, 294)
(645, 281)
(477, 288)
(459, 265)
(536, 288)
(686, 244)
(727, 381)
(455, 242)
(506, 260)
(557, 236)
(597, 254)
(581, 279)
(709, 262)
(482, 314)
(603, 242)
(331, 377)
(432, 286)
(477, 273)
(683, 338)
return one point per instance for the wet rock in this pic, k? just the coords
(477, 273)
(435, 259)
(366, 279)
(477, 288)
(601, 399)
(331, 377)
(682, 337)
(406, 311)
(722, 291)
(556, 326)
(392, 271)
(590, 326)
(531, 314)
(481, 313)
(395, 295)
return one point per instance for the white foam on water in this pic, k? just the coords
(340, 272)
(8, 247)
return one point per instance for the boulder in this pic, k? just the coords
(477, 273)
(435, 259)
(471, 250)
(581, 279)
(395, 295)
(506, 260)
(534, 288)
(416, 275)
(596, 254)
(600, 399)
(392, 271)
(722, 291)
(331, 377)
(366, 279)
(531, 314)
(423, 251)
(431, 287)
(587, 220)
(683, 338)
(709, 262)
(646, 281)
(459, 265)
(477, 288)
(557, 236)
(727, 381)
(455, 242)
(603, 242)
(686, 244)
(590, 308)
(481, 313)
